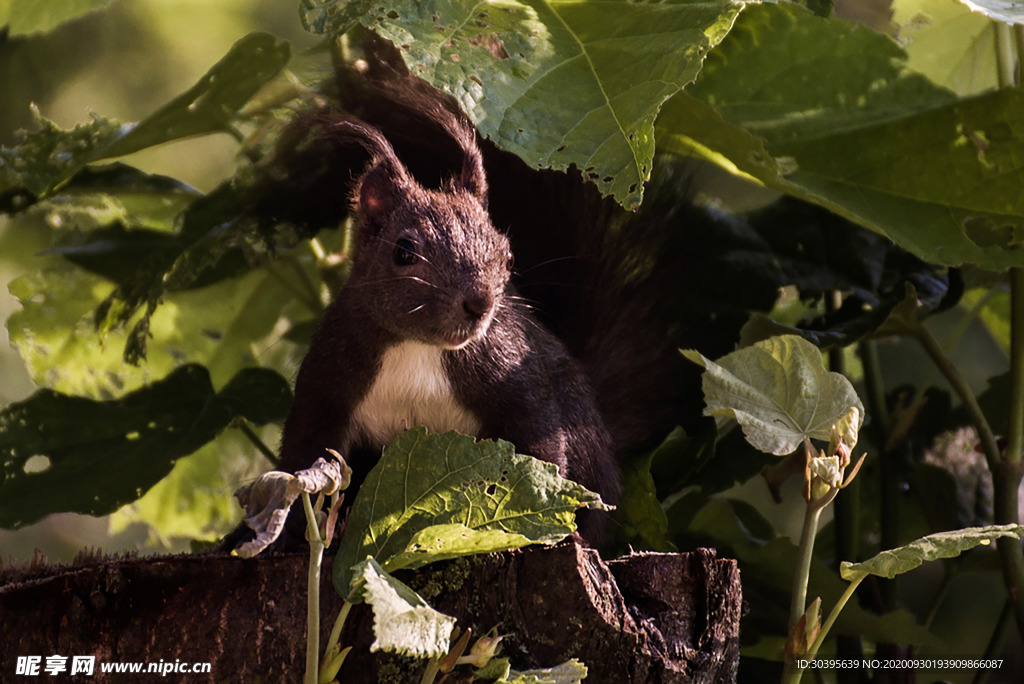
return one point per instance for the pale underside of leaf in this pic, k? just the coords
(402, 621)
(778, 390)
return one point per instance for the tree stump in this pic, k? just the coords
(645, 617)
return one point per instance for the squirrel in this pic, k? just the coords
(429, 330)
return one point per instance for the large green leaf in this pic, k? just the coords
(951, 45)
(44, 160)
(432, 497)
(65, 453)
(933, 547)
(824, 109)
(778, 391)
(402, 621)
(194, 500)
(216, 326)
(33, 16)
(557, 82)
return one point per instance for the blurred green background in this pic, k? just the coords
(122, 61)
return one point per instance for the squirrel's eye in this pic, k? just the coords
(509, 260)
(405, 252)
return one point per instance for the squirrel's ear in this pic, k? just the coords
(380, 191)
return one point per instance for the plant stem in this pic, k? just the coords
(339, 624)
(963, 391)
(833, 616)
(846, 513)
(311, 290)
(316, 552)
(257, 442)
(430, 674)
(1015, 438)
(310, 303)
(805, 554)
(1006, 477)
(994, 642)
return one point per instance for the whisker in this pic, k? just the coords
(546, 262)
(381, 281)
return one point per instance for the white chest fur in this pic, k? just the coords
(411, 389)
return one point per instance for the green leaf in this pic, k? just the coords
(37, 16)
(951, 45)
(638, 510)
(825, 110)
(216, 326)
(432, 497)
(402, 621)
(65, 453)
(994, 312)
(939, 545)
(438, 542)
(556, 82)
(778, 391)
(194, 501)
(569, 672)
(44, 160)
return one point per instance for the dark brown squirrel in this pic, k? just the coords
(428, 330)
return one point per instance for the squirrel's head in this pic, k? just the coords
(432, 266)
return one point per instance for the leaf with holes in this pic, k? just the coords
(64, 453)
(558, 83)
(432, 497)
(43, 160)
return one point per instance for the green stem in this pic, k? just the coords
(846, 510)
(888, 478)
(939, 596)
(257, 442)
(1006, 476)
(316, 553)
(311, 290)
(1015, 438)
(805, 555)
(964, 392)
(994, 643)
(430, 674)
(833, 616)
(874, 381)
(308, 301)
(339, 624)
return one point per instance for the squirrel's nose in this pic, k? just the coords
(477, 305)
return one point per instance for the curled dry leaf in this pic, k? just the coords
(268, 500)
